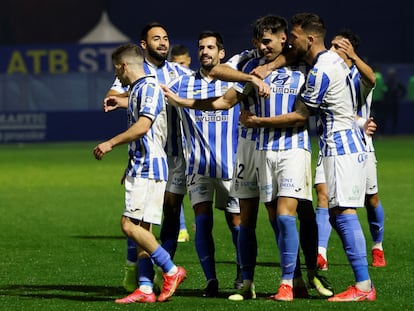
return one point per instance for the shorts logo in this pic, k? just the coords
(236, 185)
(362, 157)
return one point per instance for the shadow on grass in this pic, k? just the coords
(68, 292)
(89, 293)
(100, 237)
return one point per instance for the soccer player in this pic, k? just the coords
(180, 54)
(277, 182)
(155, 44)
(147, 171)
(345, 44)
(130, 269)
(210, 142)
(328, 91)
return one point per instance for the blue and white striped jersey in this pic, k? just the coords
(209, 137)
(364, 100)
(329, 89)
(165, 74)
(238, 61)
(285, 85)
(147, 157)
(251, 59)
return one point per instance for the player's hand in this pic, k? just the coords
(260, 71)
(247, 118)
(110, 103)
(370, 127)
(172, 98)
(263, 89)
(100, 150)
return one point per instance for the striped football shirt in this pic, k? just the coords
(329, 90)
(147, 157)
(209, 136)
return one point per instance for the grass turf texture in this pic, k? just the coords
(62, 247)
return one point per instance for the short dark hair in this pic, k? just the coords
(179, 49)
(148, 27)
(215, 34)
(352, 37)
(272, 23)
(126, 50)
(309, 22)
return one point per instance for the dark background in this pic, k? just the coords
(385, 27)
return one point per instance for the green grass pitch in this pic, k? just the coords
(61, 247)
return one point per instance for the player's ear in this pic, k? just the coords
(222, 54)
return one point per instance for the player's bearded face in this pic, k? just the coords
(159, 53)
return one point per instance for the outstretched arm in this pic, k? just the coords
(292, 119)
(227, 101)
(111, 103)
(225, 73)
(287, 57)
(137, 130)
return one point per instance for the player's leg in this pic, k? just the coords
(308, 232)
(322, 215)
(173, 198)
(231, 208)
(144, 200)
(201, 194)
(375, 212)
(346, 181)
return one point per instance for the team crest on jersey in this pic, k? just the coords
(148, 99)
(281, 79)
(172, 74)
(151, 85)
(224, 88)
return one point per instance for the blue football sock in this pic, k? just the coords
(288, 245)
(145, 271)
(204, 244)
(235, 231)
(247, 251)
(353, 240)
(182, 218)
(162, 259)
(376, 222)
(324, 226)
(132, 254)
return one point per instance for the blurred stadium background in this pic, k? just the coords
(55, 61)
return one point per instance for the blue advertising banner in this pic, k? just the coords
(56, 59)
(16, 127)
